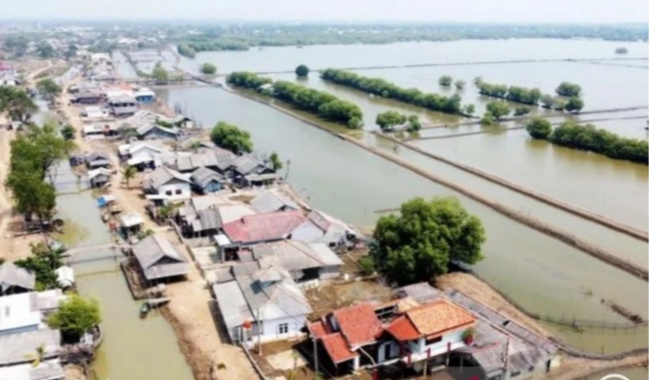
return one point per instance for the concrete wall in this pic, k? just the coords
(184, 188)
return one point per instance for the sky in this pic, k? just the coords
(492, 11)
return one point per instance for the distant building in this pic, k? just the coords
(122, 105)
(145, 96)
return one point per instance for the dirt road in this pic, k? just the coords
(189, 313)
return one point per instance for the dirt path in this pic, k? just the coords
(188, 312)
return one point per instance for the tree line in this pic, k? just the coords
(390, 119)
(383, 88)
(244, 37)
(319, 103)
(588, 137)
(534, 96)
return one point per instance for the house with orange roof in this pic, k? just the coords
(425, 332)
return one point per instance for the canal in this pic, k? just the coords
(539, 272)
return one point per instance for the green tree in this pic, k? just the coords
(469, 109)
(574, 104)
(547, 101)
(445, 81)
(48, 88)
(43, 263)
(71, 52)
(159, 73)
(276, 163)
(414, 124)
(75, 317)
(68, 132)
(498, 109)
(488, 118)
(45, 50)
(568, 89)
(129, 173)
(17, 104)
(389, 119)
(420, 243)
(229, 136)
(460, 84)
(208, 68)
(520, 111)
(539, 128)
(302, 71)
(367, 265)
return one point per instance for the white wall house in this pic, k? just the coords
(167, 185)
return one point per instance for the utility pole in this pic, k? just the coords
(259, 333)
(315, 355)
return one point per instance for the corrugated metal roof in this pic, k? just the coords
(232, 304)
(246, 164)
(11, 275)
(152, 249)
(296, 255)
(270, 201)
(162, 176)
(16, 347)
(421, 292)
(263, 227)
(202, 176)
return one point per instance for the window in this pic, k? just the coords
(283, 328)
(434, 340)
(168, 192)
(179, 191)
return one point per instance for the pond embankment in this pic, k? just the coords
(549, 230)
(585, 214)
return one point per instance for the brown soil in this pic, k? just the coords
(483, 293)
(74, 372)
(574, 368)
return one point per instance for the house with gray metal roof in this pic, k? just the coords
(14, 279)
(159, 258)
(249, 170)
(272, 201)
(122, 105)
(267, 300)
(206, 181)
(154, 131)
(165, 184)
(97, 160)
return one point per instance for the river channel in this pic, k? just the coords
(133, 348)
(541, 273)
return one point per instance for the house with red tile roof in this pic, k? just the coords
(425, 332)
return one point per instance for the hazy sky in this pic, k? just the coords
(498, 11)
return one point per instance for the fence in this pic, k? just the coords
(577, 324)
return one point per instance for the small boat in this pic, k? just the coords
(144, 309)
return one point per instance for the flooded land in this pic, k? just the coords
(537, 271)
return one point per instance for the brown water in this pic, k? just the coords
(541, 273)
(133, 349)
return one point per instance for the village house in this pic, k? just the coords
(213, 158)
(248, 171)
(272, 201)
(257, 229)
(99, 131)
(264, 304)
(165, 184)
(145, 96)
(131, 224)
(346, 334)
(14, 279)
(159, 259)
(94, 113)
(154, 131)
(206, 181)
(99, 177)
(97, 160)
(145, 155)
(336, 233)
(87, 96)
(205, 216)
(122, 105)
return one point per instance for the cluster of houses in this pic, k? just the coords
(23, 328)
(8, 76)
(141, 125)
(117, 99)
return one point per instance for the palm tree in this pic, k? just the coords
(129, 173)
